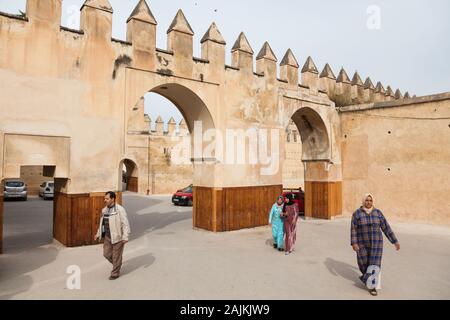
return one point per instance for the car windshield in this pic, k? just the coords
(187, 190)
(51, 184)
(14, 184)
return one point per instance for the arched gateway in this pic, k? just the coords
(90, 86)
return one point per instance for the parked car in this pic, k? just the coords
(299, 198)
(46, 190)
(15, 189)
(183, 197)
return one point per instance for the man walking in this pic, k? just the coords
(115, 230)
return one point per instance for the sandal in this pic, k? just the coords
(373, 292)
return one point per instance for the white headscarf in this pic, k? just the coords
(367, 210)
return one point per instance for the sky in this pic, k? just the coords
(402, 43)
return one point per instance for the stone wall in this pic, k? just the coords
(70, 99)
(166, 177)
(293, 168)
(33, 177)
(400, 152)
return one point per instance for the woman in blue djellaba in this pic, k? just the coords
(276, 220)
(366, 238)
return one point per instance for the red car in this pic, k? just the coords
(299, 198)
(183, 197)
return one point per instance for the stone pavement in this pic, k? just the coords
(167, 259)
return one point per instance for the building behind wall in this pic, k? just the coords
(293, 168)
(167, 177)
(166, 174)
(33, 176)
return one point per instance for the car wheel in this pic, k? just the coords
(190, 203)
(45, 198)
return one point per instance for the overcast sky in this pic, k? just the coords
(402, 43)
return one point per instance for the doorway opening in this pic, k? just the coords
(169, 163)
(293, 168)
(130, 175)
(322, 194)
(28, 212)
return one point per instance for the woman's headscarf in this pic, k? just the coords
(364, 203)
(290, 203)
(280, 197)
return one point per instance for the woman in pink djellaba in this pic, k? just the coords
(290, 213)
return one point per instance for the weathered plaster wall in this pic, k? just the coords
(33, 177)
(59, 83)
(84, 85)
(398, 153)
(293, 168)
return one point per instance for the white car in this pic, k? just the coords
(46, 190)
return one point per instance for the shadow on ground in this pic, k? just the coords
(27, 225)
(26, 241)
(344, 270)
(269, 242)
(14, 270)
(150, 219)
(136, 263)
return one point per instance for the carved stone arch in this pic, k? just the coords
(313, 133)
(321, 159)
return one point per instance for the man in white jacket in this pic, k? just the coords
(115, 230)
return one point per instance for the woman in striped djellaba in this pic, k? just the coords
(367, 241)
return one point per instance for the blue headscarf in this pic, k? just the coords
(282, 199)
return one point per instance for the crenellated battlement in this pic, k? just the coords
(73, 100)
(139, 51)
(156, 127)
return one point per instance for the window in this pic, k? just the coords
(14, 184)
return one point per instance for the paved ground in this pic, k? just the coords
(167, 259)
